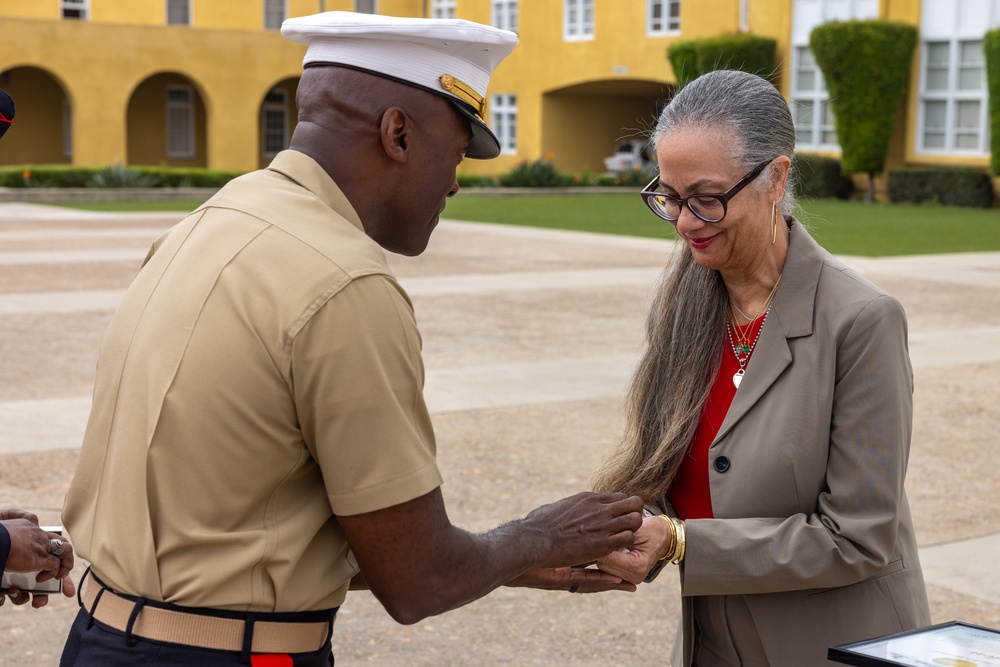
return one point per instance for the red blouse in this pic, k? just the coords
(690, 493)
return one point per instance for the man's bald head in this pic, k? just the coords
(346, 101)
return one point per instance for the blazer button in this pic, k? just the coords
(721, 464)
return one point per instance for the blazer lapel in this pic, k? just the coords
(791, 316)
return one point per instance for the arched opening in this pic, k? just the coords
(278, 113)
(167, 123)
(582, 123)
(41, 133)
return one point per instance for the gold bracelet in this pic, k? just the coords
(673, 537)
(678, 554)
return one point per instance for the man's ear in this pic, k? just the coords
(395, 134)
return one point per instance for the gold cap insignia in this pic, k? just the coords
(464, 92)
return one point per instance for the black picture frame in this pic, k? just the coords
(866, 653)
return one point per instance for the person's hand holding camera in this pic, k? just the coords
(32, 549)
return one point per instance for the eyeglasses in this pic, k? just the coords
(708, 207)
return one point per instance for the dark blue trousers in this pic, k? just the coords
(98, 645)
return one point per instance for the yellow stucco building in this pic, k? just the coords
(211, 83)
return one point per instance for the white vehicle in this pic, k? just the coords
(630, 155)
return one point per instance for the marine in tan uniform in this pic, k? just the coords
(259, 441)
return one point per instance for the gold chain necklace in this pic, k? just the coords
(742, 346)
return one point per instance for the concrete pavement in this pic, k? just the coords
(522, 327)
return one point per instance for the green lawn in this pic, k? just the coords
(138, 206)
(842, 227)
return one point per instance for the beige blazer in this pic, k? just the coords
(812, 524)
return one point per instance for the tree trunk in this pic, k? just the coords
(870, 197)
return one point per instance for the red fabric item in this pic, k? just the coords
(690, 492)
(271, 660)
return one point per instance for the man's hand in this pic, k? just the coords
(633, 564)
(30, 552)
(584, 527)
(572, 579)
(418, 564)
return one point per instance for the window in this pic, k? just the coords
(953, 101)
(504, 14)
(76, 9)
(809, 99)
(578, 20)
(365, 7)
(180, 122)
(275, 12)
(503, 121)
(275, 123)
(952, 117)
(663, 17)
(810, 103)
(442, 9)
(178, 12)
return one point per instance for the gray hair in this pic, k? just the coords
(686, 327)
(748, 110)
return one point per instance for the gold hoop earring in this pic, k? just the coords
(774, 222)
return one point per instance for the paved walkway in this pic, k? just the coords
(530, 336)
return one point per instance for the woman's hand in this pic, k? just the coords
(572, 579)
(652, 541)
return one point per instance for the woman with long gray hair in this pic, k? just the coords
(769, 420)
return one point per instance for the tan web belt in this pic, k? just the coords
(199, 630)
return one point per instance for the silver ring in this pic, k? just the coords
(57, 547)
(574, 589)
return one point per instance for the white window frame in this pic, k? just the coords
(504, 14)
(443, 9)
(952, 98)
(664, 25)
(576, 26)
(818, 97)
(273, 9)
(806, 15)
(277, 104)
(366, 6)
(503, 121)
(176, 109)
(955, 24)
(82, 6)
(177, 6)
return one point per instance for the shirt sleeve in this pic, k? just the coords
(4, 547)
(358, 383)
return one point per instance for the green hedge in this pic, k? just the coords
(537, 174)
(948, 186)
(866, 65)
(820, 177)
(991, 51)
(65, 176)
(749, 53)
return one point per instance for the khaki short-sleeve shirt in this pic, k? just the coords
(262, 375)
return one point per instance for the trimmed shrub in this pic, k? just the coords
(948, 186)
(187, 177)
(991, 52)
(477, 181)
(749, 53)
(820, 177)
(683, 57)
(537, 174)
(866, 65)
(44, 176)
(66, 176)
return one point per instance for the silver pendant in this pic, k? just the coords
(737, 378)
